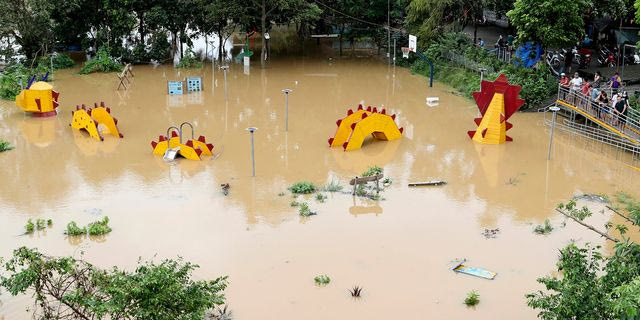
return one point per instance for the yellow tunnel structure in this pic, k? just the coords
(192, 149)
(357, 126)
(90, 120)
(39, 99)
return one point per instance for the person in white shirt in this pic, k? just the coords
(575, 85)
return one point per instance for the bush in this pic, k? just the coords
(305, 211)
(100, 227)
(29, 227)
(10, 81)
(5, 146)
(160, 47)
(372, 171)
(189, 61)
(545, 228)
(302, 187)
(74, 230)
(60, 61)
(332, 186)
(102, 62)
(472, 299)
(322, 279)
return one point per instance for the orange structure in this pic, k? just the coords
(90, 120)
(497, 102)
(356, 126)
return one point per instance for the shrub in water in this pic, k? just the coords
(189, 61)
(305, 211)
(29, 227)
(74, 230)
(472, 299)
(322, 279)
(102, 62)
(5, 146)
(545, 228)
(99, 227)
(302, 188)
(372, 171)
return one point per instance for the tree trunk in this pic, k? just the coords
(141, 30)
(263, 21)
(475, 32)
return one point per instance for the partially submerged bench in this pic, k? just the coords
(364, 180)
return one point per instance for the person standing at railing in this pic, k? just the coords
(603, 104)
(620, 111)
(575, 86)
(564, 86)
(615, 82)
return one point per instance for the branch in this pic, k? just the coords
(608, 237)
(621, 215)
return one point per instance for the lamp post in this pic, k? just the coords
(286, 108)
(555, 110)
(253, 160)
(224, 69)
(624, 55)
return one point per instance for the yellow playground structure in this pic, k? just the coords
(39, 99)
(170, 147)
(90, 120)
(356, 126)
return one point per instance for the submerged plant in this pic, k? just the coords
(545, 228)
(29, 227)
(5, 146)
(74, 230)
(322, 279)
(49, 222)
(332, 186)
(372, 171)
(361, 190)
(472, 299)
(41, 224)
(356, 291)
(100, 227)
(281, 194)
(305, 211)
(189, 61)
(294, 203)
(223, 313)
(302, 187)
(102, 62)
(320, 197)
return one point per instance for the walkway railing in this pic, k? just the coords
(627, 126)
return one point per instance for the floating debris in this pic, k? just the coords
(458, 266)
(491, 233)
(225, 188)
(427, 183)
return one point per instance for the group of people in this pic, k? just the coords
(500, 43)
(613, 110)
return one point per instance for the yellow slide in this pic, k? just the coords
(39, 99)
(356, 126)
(90, 119)
(192, 149)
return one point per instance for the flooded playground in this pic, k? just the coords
(398, 249)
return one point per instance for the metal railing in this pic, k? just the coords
(628, 124)
(469, 64)
(502, 53)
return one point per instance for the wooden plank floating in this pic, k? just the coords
(472, 271)
(428, 183)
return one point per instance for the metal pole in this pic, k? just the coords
(253, 159)
(389, 30)
(224, 69)
(394, 51)
(624, 49)
(286, 108)
(553, 125)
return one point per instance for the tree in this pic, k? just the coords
(68, 288)
(29, 23)
(221, 17)
(174, 16)
(551, 23)
(429, 18)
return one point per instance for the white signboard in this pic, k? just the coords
(413, 43)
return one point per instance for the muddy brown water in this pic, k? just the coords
(398, 249)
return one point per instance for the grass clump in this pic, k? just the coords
(322, 279)
(302, 187)
(5, 146)
(74, 230)
(100, 227)
(356, 291)
(281, 194)
(332, 186)
(472, 299)
(372, 171)
(544, 228)
(189, 61)
(294, 203)
(39, 224)
(320, 197)
(102, 62)
(305, 211)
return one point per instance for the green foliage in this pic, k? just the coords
(67, 288)
(49, 222)
(5, 145)
(545, 228)
(10, 80)
(322, 279)
(189, 61)
(302, 187)
(74, 230)
(552, 23)
(102, 62)
(294, 203)
(430, 18)
(591, 286)
(320, 197)
(99, 228)
(305, 211)
(631, 205)
(58, 61)
(332, 186)
(472, 299)
(372, 171)
(537, 83)
(41, 224)
(29, 227)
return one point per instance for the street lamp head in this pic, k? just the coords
(224, 67)
(252, 129)
(286, 91)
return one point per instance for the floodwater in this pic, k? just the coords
(398, 249)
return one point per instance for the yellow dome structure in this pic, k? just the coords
(356, 126)
(39, 99)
